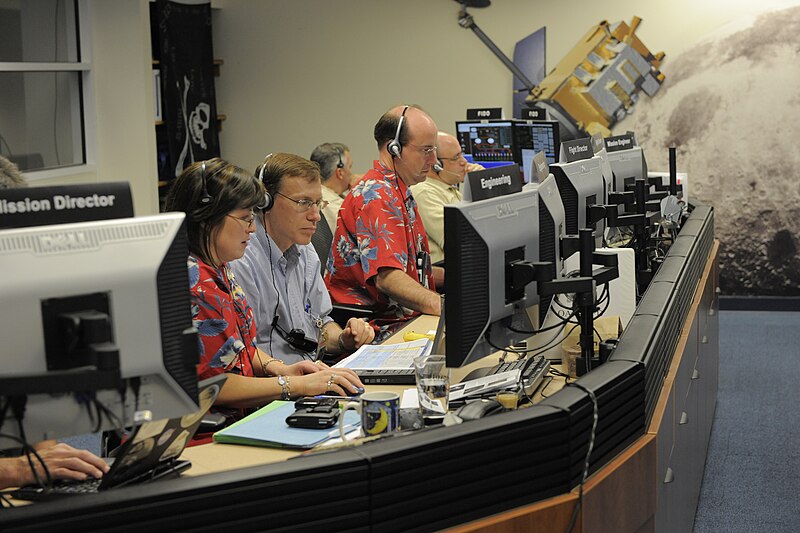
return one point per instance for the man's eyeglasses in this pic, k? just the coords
(305, 204)
(426, 150)
(455, 158)
(248, 221)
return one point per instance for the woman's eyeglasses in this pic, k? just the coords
(248, 221)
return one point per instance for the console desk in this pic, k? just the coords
(654, 484)
(654, 402)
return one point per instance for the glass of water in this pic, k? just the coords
(433, 386)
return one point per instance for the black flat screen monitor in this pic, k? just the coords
(487, 141)
(75, 295)
(484, 310)
(532, 136)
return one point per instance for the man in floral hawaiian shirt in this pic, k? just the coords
(380, 256)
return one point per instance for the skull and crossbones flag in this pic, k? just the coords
(187, 77)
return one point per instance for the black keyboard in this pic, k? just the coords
(534, 369)
(59, 488)
(379, 376)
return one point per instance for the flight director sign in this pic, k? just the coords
(63, 204)
(493, 182)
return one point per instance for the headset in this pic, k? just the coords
(340, 164)
(438, 167)
(205, 198)
(269, 200)
(296, 338)
(394, 147)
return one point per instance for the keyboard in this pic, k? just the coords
(533, 370)
(59, 488)
(382, 376)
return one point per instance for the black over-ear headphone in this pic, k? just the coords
(394, 147)
(269, 200)
(205, 198)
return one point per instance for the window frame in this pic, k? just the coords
(85, 104)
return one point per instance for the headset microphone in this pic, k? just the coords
(437, 167)
(395, 147)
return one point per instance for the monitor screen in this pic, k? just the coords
(534, 136)
(487, 141)
(580, 185)
(483, 307)
(90, 299)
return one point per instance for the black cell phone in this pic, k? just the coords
(310, 401)
(316, 417)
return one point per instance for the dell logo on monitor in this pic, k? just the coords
(73, 240)
(505, 210)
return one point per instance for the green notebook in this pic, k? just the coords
(268, 427)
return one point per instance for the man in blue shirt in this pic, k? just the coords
(280, 270)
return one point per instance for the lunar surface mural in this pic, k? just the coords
(731, 105)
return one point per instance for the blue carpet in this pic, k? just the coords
(751, 481)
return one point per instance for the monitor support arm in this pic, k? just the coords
(584, 287)
(466, 21)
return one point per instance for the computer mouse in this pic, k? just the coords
(359, 391)
(478, 409)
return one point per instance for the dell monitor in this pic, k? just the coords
(532, 136)
(486, 309)
(580, 184)
(627, 165)
(95, 319)
(551, 229)
(488, 141)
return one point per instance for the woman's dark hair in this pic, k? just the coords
(207, 191)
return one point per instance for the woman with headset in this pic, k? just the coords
(218, 199)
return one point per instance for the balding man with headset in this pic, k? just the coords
(440, 189)
(380, 256)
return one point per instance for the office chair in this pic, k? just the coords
(322, 241)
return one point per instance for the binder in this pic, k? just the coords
(268, 427)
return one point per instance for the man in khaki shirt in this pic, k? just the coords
(440, 189)
(336, 168)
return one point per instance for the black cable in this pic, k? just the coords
(544, 348)
(274, 286)
(607, 300)
(588, 454)
(550, 378)
(18, 404)
(541, 330)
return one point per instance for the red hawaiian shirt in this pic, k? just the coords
(378, 227)
(223, 319)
